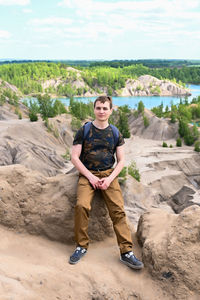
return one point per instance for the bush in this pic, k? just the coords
(33, 116)
(67, 155)
(183, 127)
(146, 121)
(81, 110)
(123, 125)
(164, 144)
(123, 175)
(46, 106)
(173, 118)
(2, 100)
(33, 111)
(75, 124)
(179, 142)
(197, 146)
(125, 109)
(59, 108)
(133, 171)
(140, 107)
(170, 146)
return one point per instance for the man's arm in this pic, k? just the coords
(105, 182)
(76, 152)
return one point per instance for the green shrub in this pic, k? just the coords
(46, 106)
(123, 125)
(123, 175)
(164, 144)
(179, 142)
(197, 146)
(140, 107)
(2, 100)
(59, 108)
(75, 124)
(146, 121)
(135, 113)
(125, 109)
(48, 125)
(173, 118)
(33, 116)
(81, 110)
(170, 146)
(67, 155)
(133, 171)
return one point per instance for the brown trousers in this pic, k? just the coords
(115, 204)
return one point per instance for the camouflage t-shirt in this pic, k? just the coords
(98, 148)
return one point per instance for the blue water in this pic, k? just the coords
(149, 102)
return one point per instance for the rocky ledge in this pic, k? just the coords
(147, 85)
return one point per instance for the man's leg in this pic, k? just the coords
(85, 193)
(115, 203)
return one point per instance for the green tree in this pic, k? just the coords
(179, 142)
(123, 125)
(197, 146)
(140, 107)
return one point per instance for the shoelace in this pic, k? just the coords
(129, 254)
(77, 251)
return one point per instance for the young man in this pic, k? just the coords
(93, 157)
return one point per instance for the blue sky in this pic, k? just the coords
(98, 29)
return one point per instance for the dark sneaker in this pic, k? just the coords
(77, 255)
(130, 260)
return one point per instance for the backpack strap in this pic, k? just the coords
(115, 131)
(115, 134)
(86, 129)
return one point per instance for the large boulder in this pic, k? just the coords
(45, 205)
(171, 250)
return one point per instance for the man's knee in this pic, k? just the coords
(82, 207)
(117, 216)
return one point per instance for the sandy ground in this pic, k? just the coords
(33, 268)
(146, 152)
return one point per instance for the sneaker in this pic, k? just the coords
(77, 255)
(130, 260)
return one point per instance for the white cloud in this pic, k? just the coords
(51, 21)
(27, 10)
(130, 5)
(14, 2)
(98, 21)
(4, 34)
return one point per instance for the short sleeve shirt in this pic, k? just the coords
(98, 147)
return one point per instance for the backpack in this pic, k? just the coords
(115, 131)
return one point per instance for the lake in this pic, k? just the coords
(149, 102)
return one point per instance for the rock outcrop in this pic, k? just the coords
(147, 85)
(30, 144)
(44, 206)
(171, 250)
(158, 128)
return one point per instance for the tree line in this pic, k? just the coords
(31, 77)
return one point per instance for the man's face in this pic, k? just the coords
(102, 111)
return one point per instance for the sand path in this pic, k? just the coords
(33, 268)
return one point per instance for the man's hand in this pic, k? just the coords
(94, 180)
(104, 183)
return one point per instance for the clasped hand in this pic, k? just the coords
(98, 183)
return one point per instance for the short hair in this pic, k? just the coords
(104, 99)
